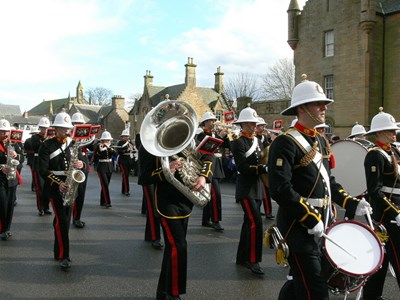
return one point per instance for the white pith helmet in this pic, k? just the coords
(247, 115)
(293, 123)
(4, 125)
(44, 122)
(63, 120)
(208, 116)
(305, 92)
(382, 121)
(106, 136)
(125, 132)
(357, 130)
(77, 118)
(322, 125)
(261, 121)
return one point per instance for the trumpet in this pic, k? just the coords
(232, 130)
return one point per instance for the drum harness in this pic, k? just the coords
(272, 237)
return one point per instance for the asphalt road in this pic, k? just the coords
(111, 260)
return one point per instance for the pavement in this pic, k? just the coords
(111, 260)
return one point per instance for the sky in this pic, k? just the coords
(48, 46)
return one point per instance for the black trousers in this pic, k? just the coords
(375, 283)
(80, 199)
(7, 195)
(42, 196)
(105, 178)
(125, 168)
(213, 210)
(62, 219)
(251, 235)
(173, 276)
(153, 227)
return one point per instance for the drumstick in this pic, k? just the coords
(370, 220)
(337, 245)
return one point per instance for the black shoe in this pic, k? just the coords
(157, 245)
(206, 224)
(216, 226)
(108, 205)
(4, 236)
(65, 264)
(79, 223)
(41, 213)
(255, 268)
(168, 297)
(47, 212)
(270, 217)
(127, 194)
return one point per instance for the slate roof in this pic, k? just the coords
(44, 107)
(90, 112)
(389, 6)
(10, 110)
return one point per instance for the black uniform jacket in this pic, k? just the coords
(292, 182)
(248, 183)
(125, 151)
(103, 156)
(36, 142)
(218, 170)
(379, 172)
(54, 158)
(170, 202)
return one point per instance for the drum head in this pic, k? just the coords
(360, 241)
(349, 171)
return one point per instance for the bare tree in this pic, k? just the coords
(132, 100)
(98, 95)
(278, 83)
(244, 85)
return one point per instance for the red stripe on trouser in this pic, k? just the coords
(267, 201)
(303, 277)
(37, 189)
(253, 233)
(103, 189)
(214, 204)
(58, 231)
(150, 212)
(174, 259)
(124, 178)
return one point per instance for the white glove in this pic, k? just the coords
(398, 220)
(317, 230)
(363, 208)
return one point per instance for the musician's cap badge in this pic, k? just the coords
(373, 169)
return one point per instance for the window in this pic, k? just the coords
(218, 115)
(328, 81)
(329, 43)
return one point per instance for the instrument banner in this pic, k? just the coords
(81, 132)
(16, 135)
(229, 116)
(209, 145)
(50, 132)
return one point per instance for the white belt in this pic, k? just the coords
(58, 173)
(105, 160)
(36, 154)
(318, 202)
(390, 190)
(218, 155)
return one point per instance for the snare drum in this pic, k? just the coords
(349, 272)
(349, 170)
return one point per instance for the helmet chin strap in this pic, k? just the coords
(314, 118)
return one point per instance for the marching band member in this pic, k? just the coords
(30, 154)
(383, 185)
(103, 155)
(42, 200)
(125, 150)
(173, 206)
(212, 212)
(301, 184)
(8, 184)
(54, 161)
(357, 132)
(249, 191)
(76, 119)
(265, 141)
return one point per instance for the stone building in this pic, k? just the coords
(201, 98)
(350, 47)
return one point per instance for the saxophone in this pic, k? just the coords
(12, 163)
(168, 131)
(74, 177)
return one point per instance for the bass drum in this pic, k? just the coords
(349, 165)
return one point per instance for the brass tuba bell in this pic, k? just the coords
(168, 130)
